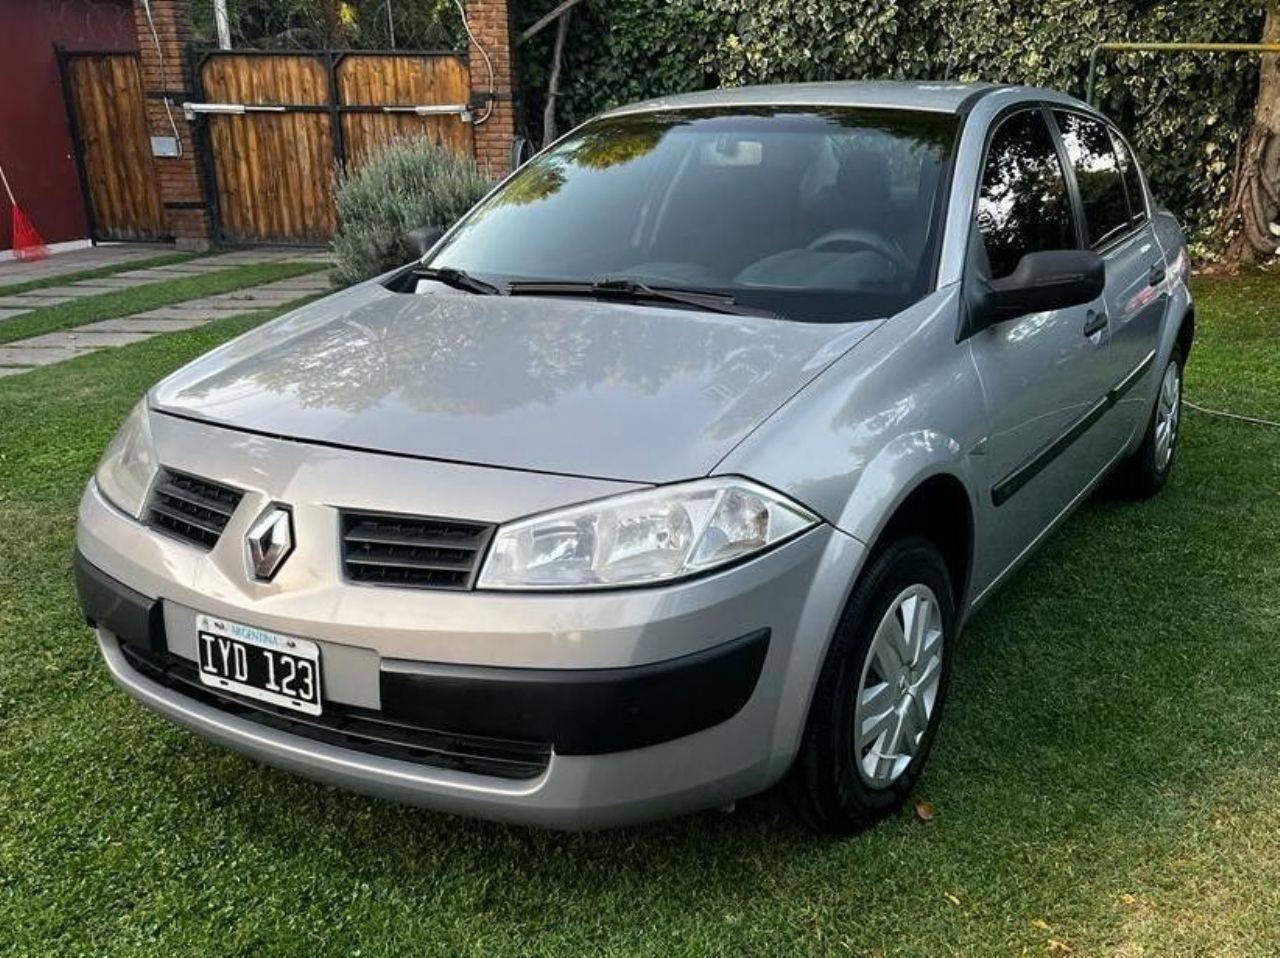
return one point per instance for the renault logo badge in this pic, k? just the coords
(270, 541)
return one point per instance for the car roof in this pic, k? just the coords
(932, 96)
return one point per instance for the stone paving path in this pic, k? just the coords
(19, 303)
(13, 271)
(43, 350)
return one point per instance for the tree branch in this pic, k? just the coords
(553, 83)
(543, 22)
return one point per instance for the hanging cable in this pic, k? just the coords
(168, 104)
(1222, 414)
(488, 107)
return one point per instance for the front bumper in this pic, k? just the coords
(644, 702)
(573, 711)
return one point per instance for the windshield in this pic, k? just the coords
(816, 214)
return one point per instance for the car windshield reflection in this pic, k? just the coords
(815, 214)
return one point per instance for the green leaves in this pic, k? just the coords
(1174, 106)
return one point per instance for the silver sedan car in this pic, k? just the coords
(670, 473)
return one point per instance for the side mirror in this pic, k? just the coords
(423, 238)
(1053, 279)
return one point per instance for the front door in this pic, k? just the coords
(1043, 373)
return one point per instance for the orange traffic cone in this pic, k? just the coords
(28, 244)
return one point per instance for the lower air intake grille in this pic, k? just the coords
(347, 726)
(412, 551)
(195, 510)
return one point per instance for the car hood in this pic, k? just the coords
(577, 387)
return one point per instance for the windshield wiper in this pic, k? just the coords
(636, 291)
(458, 279)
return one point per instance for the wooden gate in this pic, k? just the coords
(278, 125)
(108, 117)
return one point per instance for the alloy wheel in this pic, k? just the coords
(1168, 411)
(899, 687)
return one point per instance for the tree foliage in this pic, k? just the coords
(1185, 113)
(337, 24)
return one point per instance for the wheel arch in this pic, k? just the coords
(1186, 333)
(937, 507)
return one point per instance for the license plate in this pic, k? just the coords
(262, 665)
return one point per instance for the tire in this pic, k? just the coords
(1145, 473)
(841, 783)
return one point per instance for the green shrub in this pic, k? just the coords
(403, 185)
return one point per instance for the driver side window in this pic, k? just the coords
(1023, 203)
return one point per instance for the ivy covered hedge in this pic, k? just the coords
(1185, 113)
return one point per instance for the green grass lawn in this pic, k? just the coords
(62, 279)
(137, 299)
(1107, 779)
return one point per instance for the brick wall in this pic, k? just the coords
(164, 70)
(491, 24)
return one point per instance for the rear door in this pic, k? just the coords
(1042, 373)
(1115, 210)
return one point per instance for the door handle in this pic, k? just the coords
(1095, 322)
(1156, 276)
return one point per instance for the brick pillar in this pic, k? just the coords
(490, 22)
(165, 72)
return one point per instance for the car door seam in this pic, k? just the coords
(1022, 474)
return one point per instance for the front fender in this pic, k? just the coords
(901, 406)
(901, 467)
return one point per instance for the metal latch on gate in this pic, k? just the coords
(191, 110)
(461, 110)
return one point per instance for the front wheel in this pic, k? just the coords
(879, 697)
(1147, 470)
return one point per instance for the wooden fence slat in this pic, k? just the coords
(119, 171)
(274, 171)
(264, 163)
(370, 79)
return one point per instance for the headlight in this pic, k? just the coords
(643, 537)
(124, 475)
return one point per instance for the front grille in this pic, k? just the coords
(412, 551)
(195, 510)
(347, 726)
